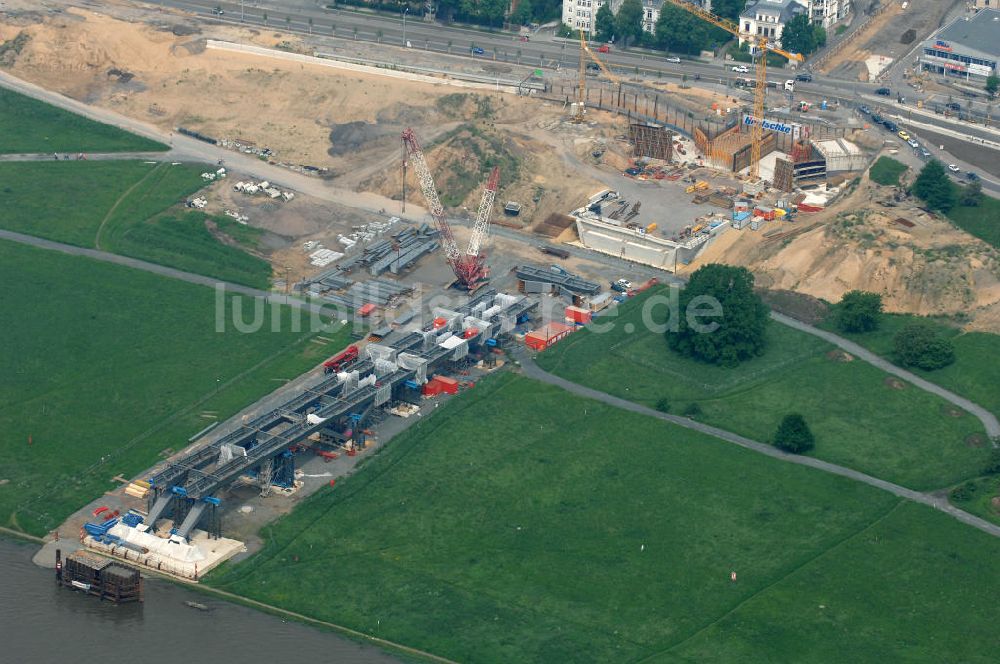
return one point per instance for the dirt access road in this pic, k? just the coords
(184, 148)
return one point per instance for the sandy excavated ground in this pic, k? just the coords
(931, 268)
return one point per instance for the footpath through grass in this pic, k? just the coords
(521, 523)
(31, 126)
(862, 418)
(975, 374)
(119, 206)
(103, 367)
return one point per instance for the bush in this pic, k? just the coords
(859, 311)
(692, 411)
(663, 406)
(963, 493)
(917, 345)
(735, 333)
(793, 435)
(992, 466)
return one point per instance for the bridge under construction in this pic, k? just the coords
(338, 407)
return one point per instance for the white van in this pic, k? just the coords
(789, 85)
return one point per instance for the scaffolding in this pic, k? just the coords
(653, 141)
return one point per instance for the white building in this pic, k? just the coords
(768, 17)
(827, 13)
(582, 14)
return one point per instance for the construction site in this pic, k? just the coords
(531, 205)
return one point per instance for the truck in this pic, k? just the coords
(341, 360)
(553, 251)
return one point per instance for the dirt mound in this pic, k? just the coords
(801, 306)
(894, 383)
(931, 268)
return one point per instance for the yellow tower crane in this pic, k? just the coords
(581, 93)
(760, 47)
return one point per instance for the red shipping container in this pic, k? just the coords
(469, 333)
(578, 315)
(546, 335)
(431, 389)
(366, 309)
(448, 385)
(439, 323)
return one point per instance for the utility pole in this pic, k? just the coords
(241, 12)
(405, 12)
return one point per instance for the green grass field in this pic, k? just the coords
(116, 206)
(977, 357)
(982, 221)
(30, 126)
(861, 419)
(104, 362)
(886, 171)
(522, 524)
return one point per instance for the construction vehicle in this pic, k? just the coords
(340, 361)
(469, 267)
(760, 46)
(580, 108)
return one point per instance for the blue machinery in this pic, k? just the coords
(186, 489)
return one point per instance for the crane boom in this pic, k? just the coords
(482, 227)
(426, 181)
(762, 46)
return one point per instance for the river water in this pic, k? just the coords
(42, 623)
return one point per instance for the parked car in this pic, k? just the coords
(604, 48)
(789, 85)
(593, 66)
(864, 109)
(954, 169)
(476, 50)
(876, 118)
(674, 59)
(913, 143)
(622, 286)
(218, 11)
(925, 153)
(953, 106)
(742, 69)
(971, 177)
(890, 125)
(805, 77)
(903, 135)
(885, 92)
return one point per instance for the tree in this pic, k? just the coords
(265, 18)
(793, 435)
(992, 466)
(992, 83)
(859, 311)
(972, 194)
(628, 21)
(310, 25)
(604, 23)
(935, 187)
(917, 345)
(683, 32)
(734, 332)
(799, 35)
(523, 14)
(728, 8)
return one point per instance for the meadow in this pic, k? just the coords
(862, 418)
(30, 126)
(128, 208)
(521, 523)
(104, 367)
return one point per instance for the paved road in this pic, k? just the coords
(532, 370)
(988, 419)
(90, 156)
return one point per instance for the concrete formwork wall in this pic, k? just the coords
(626, 244)
(741, 158)
(651, 141)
